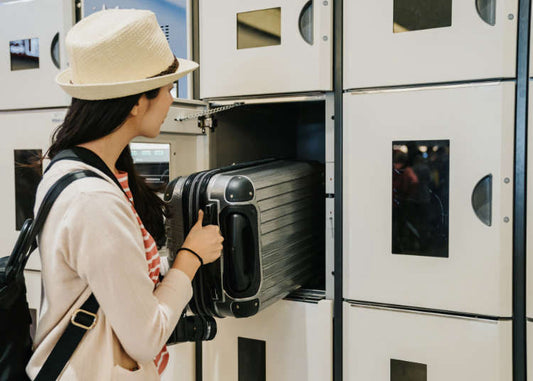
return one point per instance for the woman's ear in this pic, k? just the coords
(140, 106)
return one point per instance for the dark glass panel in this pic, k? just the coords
(152, 161)
(420, 197)
(259, 28)
(27, 178)
(252, 360)
(410, 15)
(24, 54)
(407, 371)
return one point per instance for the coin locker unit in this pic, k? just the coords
(265, 47)
(32, 35)
(428, 185)
(29, 137)
(399, 345)
(173, 18)
(287, 341)
(404, 42)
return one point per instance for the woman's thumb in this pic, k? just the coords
(200, 218)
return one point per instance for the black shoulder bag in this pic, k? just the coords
(15, 319)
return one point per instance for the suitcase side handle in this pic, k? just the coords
(242, 271)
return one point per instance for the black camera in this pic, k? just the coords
(193, 328)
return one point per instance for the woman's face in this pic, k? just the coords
(154, 113)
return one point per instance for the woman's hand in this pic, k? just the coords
(206, 241)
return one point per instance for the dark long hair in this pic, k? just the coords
(86, 121)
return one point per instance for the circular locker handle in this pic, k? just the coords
(305, 22)
(54, 51)
(482, 200)
(486, 9)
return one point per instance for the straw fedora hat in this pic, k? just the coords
(119, 52)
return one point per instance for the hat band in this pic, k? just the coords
(169, 70)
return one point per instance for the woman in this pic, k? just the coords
(99, 237)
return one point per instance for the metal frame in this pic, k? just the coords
(520, 192)
(338, 90)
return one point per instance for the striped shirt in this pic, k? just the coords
(153, 260)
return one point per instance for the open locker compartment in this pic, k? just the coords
(405, 42)
(287, 341)
(441, 159)
(32, 35)
(398, 345)
(293, 128)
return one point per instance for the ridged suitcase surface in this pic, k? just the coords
(271, 216)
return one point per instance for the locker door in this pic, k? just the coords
(400, 345)
(32, 35)
(428, 197)
(397, 42)
(287, 341)
(265, 47)
(28, 137)
(181, 363)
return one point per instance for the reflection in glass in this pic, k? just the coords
(420, 197)
(24, 54)
(259, 28)
(27, 178)
(152, 162)
(412, 15)
(407, 371)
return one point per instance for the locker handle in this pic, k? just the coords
(305, 22)
(239, 252)
(482, 200)
(486, 9)
(54, 51)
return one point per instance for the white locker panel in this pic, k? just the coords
(401, 42)
(33, 296)
(181, 365)
(296, 338)
(265, 47)
(411, 234)
(32, 35)
(398, 345)
(28, 130)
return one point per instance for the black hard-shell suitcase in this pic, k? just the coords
(270, 214)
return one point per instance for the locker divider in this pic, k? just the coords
(520, 210)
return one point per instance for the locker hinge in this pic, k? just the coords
(205, 118)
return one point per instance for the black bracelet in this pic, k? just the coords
(192, 252)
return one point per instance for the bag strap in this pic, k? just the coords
(83, 320)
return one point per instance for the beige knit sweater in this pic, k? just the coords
(91, 242)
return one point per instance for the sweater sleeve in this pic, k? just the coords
(105, 247)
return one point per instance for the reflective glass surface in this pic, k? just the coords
(259, 28)
(152, 161)
(410, 15)
(24, 54)
(420, 197)
(27, 177)
(407, 371)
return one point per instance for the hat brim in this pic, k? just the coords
(100, 91)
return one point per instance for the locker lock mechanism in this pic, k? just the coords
(205, 122)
